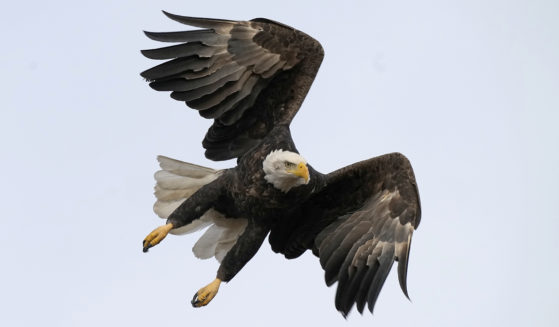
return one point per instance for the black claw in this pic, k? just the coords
(146, 247)
(195, 300)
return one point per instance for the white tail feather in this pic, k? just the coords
(183, 168)
(176, 182)
(220, 237)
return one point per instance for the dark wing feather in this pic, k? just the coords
(357, 224)
(248, 76)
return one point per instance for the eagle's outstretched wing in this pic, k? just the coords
(248, 76)
(358, 224)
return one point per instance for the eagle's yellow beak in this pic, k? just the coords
(301, 171)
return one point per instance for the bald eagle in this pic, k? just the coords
(251, 77)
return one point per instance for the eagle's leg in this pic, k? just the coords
(244, 249)
(191, 209)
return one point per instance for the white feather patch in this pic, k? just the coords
(220, 237)
(183, 168)
(176, 182)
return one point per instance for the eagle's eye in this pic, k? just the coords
(289, 165)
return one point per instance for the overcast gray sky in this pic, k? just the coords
(467, 90)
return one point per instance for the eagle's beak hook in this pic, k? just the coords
(302, 171)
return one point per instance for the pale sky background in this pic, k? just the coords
(467, 90)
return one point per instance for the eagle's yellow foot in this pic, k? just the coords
(156, 236)
(206, 294)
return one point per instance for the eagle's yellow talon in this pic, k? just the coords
(206, 294)
(156, 236)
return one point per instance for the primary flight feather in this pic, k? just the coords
(251, 77)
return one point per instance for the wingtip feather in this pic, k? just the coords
(150, 54)
(403, 258)
(402, 276)
(151, 35)
(199, 22)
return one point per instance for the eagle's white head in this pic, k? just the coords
(285, 170)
